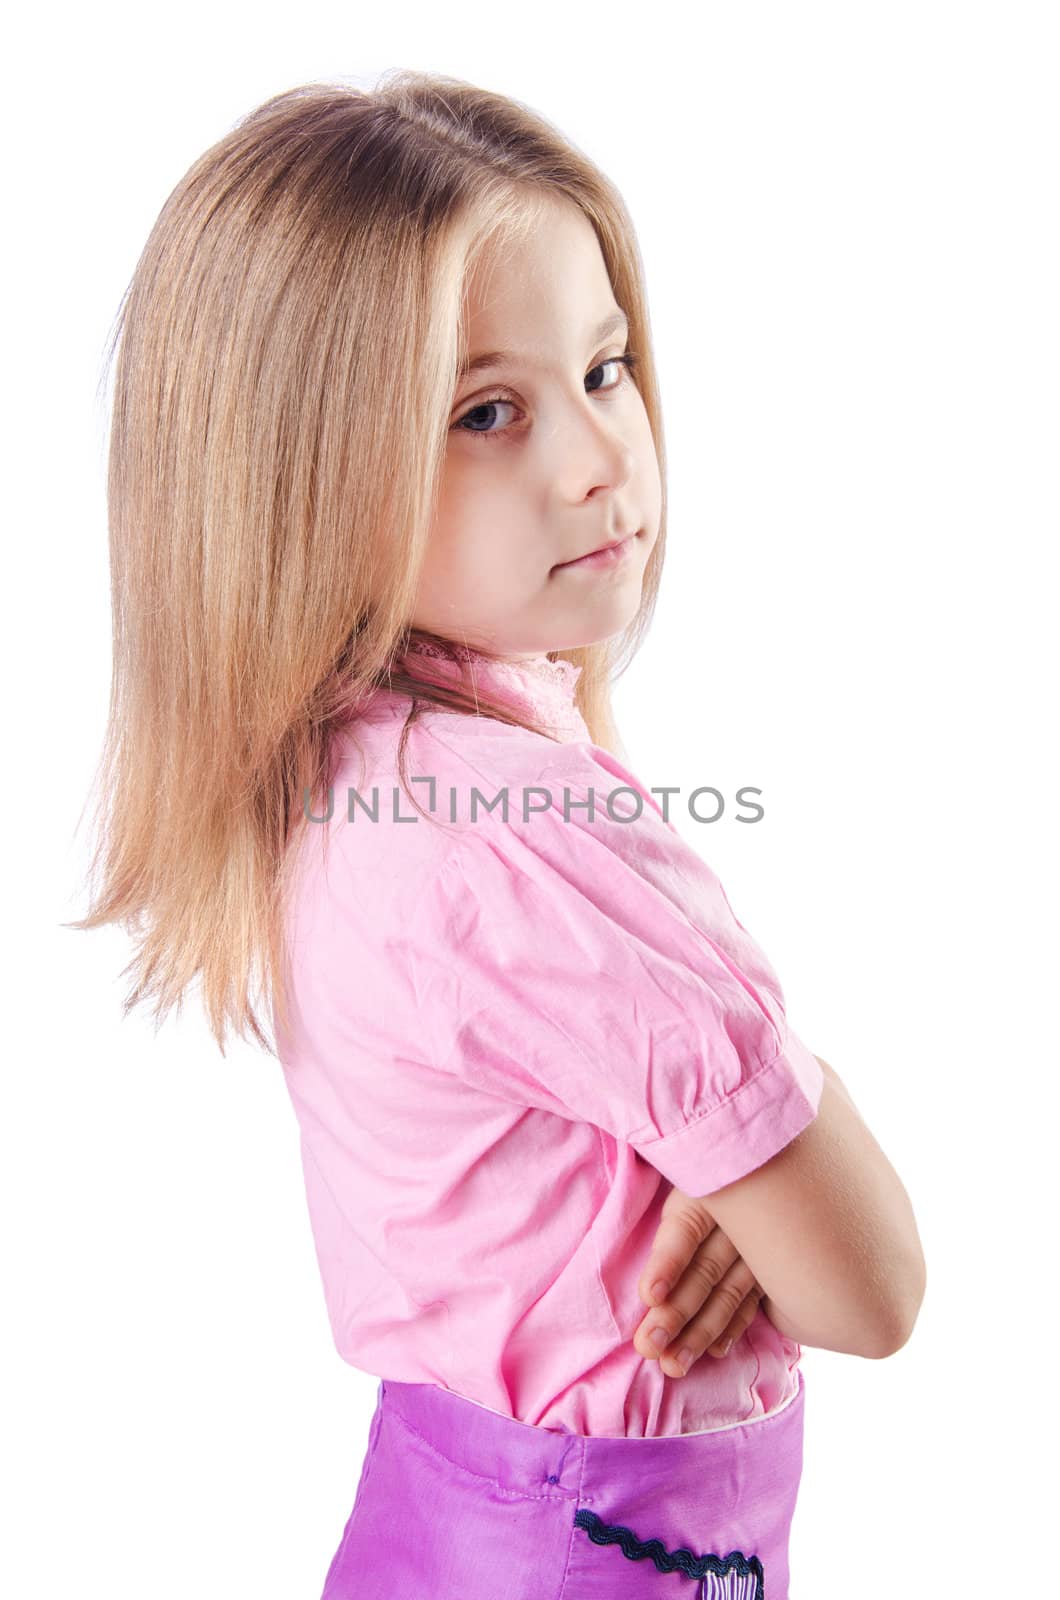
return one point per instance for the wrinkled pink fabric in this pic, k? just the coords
(508, 1038)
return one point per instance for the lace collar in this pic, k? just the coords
(543, 688)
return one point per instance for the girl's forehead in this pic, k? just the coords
(529, 218)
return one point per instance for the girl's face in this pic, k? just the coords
(549, 457)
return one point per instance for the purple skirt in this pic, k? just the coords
(456, 1502)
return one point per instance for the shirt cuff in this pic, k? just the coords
(744, 1131)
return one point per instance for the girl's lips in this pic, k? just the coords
(610, 556)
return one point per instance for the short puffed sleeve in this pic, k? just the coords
(595, 969)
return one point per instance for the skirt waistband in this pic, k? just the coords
(456, 1499)
(545, 1462)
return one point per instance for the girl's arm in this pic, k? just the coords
(828, 1231)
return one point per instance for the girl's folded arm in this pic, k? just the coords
(827, 1228)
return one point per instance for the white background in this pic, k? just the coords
(848, 217)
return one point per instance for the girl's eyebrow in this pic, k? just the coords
(503, 358)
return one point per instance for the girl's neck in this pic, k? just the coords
(536, 684)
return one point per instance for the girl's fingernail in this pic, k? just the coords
(660, 1290)
(659, 1338)
(684, 1358)
(726, 1347)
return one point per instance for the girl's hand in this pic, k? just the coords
(709, 1293)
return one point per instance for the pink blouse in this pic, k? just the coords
(510, 1035)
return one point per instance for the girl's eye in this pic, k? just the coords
(466, 424)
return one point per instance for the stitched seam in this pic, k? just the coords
(596, 1249)
(711, 1111)
(573, 1526)
(513, 1494)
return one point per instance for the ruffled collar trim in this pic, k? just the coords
(536, 685)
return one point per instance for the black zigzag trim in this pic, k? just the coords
(681, 1560)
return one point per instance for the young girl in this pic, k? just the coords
(388, 512)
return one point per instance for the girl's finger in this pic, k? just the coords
(701, 1334)
(684, 1225)
(739, 1324)
(716, 1276)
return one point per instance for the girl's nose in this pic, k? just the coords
(599, 459)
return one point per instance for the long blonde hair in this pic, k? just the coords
(298, 305)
